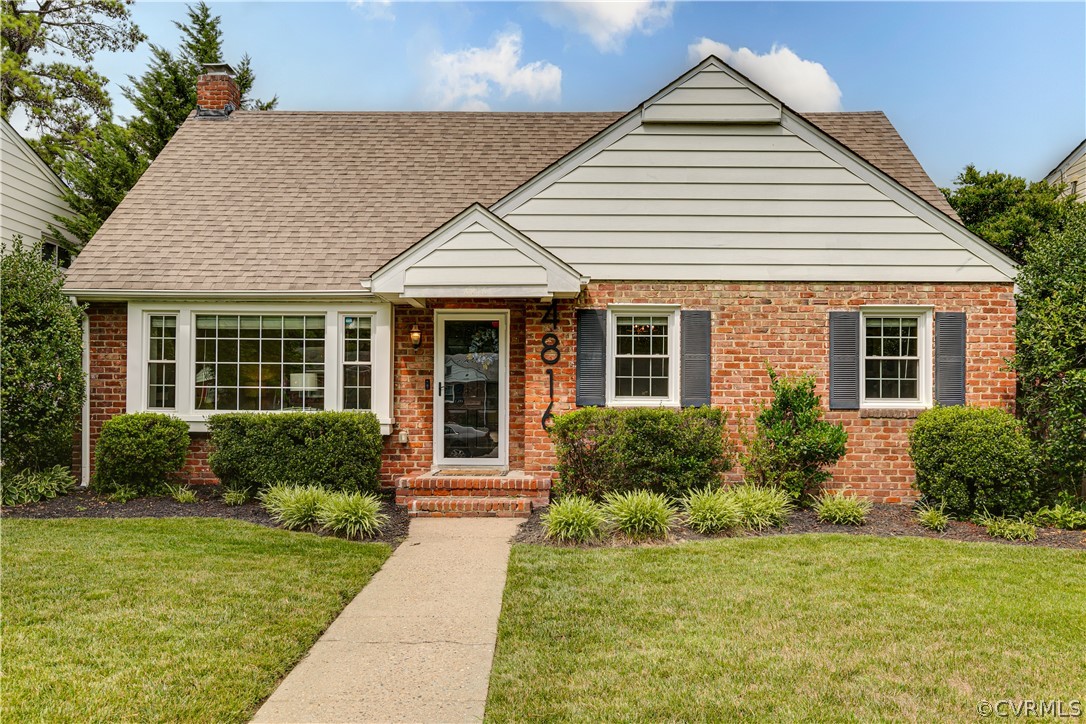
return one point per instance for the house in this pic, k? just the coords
(1071, 171)
(467, 275)
(31, 197)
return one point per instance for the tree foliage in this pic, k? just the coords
(47, 49)
(1051, 348)
(1007, 211)
(41, 392)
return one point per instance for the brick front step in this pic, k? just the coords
(458, 507)
(472, 494)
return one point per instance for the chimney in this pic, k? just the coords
(217, 94)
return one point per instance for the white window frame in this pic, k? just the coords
(340, 324)
(925, 366)
(674, 363)
(139, 344)
(147, 359)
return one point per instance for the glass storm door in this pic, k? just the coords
(471, 392)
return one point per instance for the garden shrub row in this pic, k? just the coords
(139, 454)
(330, 450)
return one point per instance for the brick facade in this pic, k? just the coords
(753, 324)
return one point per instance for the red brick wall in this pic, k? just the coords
(782, 324)
(786, 325)
(108, 328)
(215, 90)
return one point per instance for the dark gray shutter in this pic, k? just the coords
(591, 357)
(695, 348)
(844, 360)
(950, 358)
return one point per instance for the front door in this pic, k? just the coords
(471, 413)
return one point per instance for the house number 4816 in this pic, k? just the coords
(550, 354)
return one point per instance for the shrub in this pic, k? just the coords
(761, 506)
(1050, 354)
(41, 341)
(602, 450)
(792, 445)
(932, 517)
(841, 509)
(235, 497)
(973, 458)
(181, 493)
(140, 451)
(294, 506)
(28, 486)
(1000, 527)
(574, 518)
(639, 514)
(712, 510)
(352, 515)
(330, 450)
(122, 494)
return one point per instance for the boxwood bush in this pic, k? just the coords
(973, 459)
(330, 450)
(603, 450)
(139, 453)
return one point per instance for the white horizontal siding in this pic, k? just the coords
(29, 199)
(475, 257)
(711, 97)
(734, 202)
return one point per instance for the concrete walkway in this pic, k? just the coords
(417, 643)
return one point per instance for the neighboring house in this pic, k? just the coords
(466, 275)
(31, 197)
(1071, 171)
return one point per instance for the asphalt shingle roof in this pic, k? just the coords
(300, 201)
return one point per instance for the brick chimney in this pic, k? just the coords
(217, 93)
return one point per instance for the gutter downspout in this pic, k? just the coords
(84, 427)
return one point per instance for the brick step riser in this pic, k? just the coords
(468, 507)
(469, 493)
(461, 484)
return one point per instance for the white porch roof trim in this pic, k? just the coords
(472, 255)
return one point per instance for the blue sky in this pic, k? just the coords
(1001, 85)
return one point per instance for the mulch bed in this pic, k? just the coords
(884, 520)
(84, 503)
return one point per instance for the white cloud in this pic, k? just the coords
(467, 78)
(375, 9)
(803, 84)
(608, 24)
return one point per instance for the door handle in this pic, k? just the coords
(440, 389)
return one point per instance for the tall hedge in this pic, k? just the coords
(139, 452)
(332, 450)
(602, 450)
(41, 340)
(1051, 352)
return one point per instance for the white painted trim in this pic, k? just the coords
(561, 277)
(139, 346)
(925, 343)
(84, 416)
(674, 357)
(502, 316)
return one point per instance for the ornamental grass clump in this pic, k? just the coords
(351, 515)
(574, 518)
(238, 496)
(840, 509)
(181, 493)
(1007, 528)
(762, 506)
(712, 510)
(640, 514)
(933, 517)
(293, 506)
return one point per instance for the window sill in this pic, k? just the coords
(891, 413)
(198, 423)
(654, 403)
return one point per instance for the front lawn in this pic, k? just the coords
(790, 627)
(184, 619)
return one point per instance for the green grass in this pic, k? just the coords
(824, 627)
(183, 619)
